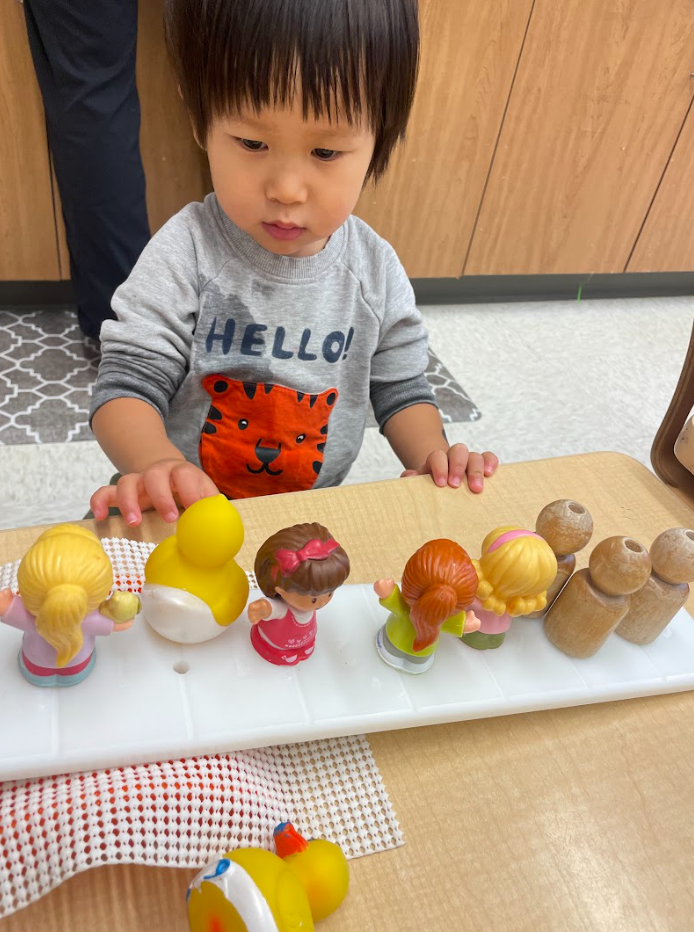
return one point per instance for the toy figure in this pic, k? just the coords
(438, 582)
(63, 606)
(567, 527)
(596, 599)
(194, 589)
(514, 570)
(655, 604)
(256, 890)
(298, 569)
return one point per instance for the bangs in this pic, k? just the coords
(347, 59)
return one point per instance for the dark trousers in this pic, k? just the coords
(84, 56)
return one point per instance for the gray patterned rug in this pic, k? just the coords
(47, 369)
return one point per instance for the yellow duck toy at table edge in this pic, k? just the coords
(252, 890)
(199, 558)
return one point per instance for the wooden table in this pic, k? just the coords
(575, 819)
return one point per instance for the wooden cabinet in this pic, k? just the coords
(666, 242)
(28, 245)
(548, 136)
(427, 203)
(602, 90)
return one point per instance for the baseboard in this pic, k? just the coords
(480, 289)
(27, 294)
(470, 289)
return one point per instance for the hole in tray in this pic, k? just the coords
(181, 666)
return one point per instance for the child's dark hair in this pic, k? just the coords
(349, 54)
(299, 571)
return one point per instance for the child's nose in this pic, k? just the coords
(286, 188)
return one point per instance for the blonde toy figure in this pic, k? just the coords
(63, 606)
(514, 570)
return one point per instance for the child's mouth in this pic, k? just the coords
(283, 231)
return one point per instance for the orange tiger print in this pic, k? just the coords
(260, 439)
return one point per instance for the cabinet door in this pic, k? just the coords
(427, 203)
(603, 87)
(666, 243)
(175, 167)
(28, 247)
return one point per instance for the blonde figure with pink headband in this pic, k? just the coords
(514, 571)
(298, 569)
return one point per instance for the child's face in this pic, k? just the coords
(288, 182)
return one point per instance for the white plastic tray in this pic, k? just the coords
(135, 707)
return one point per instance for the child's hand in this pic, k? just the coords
(384, 587)
(258, 610)
(449, 467)
(154, 488)
(5, 600)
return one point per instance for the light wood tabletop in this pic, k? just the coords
(574, 820)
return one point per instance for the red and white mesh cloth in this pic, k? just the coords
(184, 813)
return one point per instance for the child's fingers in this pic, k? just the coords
(458, 456)
(437, 465)
(191, 484)
(128, 492)
(156, 483)
(409, 472)
(103, 499)
(491, 463)
(475, 472)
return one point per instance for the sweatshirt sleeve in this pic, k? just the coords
(145, 352)
(398, 367)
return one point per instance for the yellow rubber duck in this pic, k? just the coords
(320, 865)
(251, 890)
(194, 588)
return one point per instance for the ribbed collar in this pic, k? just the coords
(286, 267)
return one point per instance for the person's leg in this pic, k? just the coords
(84, 56)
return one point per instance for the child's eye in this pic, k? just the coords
(326, 155)
(252, 145)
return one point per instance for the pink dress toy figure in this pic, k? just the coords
(63, 606)
(298, 569)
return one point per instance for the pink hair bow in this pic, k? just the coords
(289, 560)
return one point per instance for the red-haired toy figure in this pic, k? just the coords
(438, 583)
(298, 569)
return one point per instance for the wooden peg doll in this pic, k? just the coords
(567, 527)
(652, 608)
(595, 600)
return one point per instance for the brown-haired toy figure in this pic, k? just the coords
(298, 569)
(439, 582)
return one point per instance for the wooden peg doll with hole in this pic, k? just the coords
(567, 527)
(654, 605)
(596, 599)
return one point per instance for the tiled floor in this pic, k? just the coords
(550, 379)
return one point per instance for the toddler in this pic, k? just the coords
(258, 325)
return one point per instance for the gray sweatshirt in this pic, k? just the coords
(262, 366)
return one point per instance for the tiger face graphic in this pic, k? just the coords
(261, 439)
